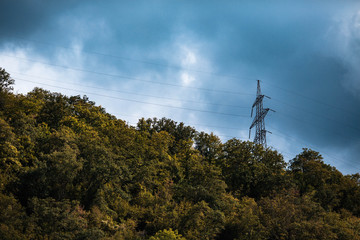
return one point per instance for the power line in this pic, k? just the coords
(143, 102)
(214, 104)
(311, 123)
(137, 60)
(312, 99)
(196, 102)
(132, 93)
(174, 85)
(311, 146)
(182, 68)
(284, 153)
(127, 77)
(319, 115)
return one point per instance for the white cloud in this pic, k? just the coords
(28, 70)
(188, 56)
(186, 78)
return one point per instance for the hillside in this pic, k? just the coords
(70, 170)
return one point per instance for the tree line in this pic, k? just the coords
(70, 170)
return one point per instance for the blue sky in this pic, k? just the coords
(197, 62)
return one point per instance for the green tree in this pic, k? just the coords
(182, 134)
(6, 81)
(9, 154)
(209, 146)
(12, 218)
(310, 174)
(350, 193)
(201, 182)
(55, 172)
(60, 220)
(242, 219)
(167, 235)
(250, 170)
(288, 215)
(199, 221)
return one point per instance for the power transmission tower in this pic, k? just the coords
(259, 121)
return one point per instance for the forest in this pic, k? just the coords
(70, 170)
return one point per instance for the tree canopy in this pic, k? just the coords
(70, 170)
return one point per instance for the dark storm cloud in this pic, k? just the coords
(21, 18)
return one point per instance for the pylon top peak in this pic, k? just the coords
(258, 88)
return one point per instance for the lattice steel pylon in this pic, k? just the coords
(259, 120)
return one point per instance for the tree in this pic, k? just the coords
(202, 182)
(6, 81)
(250, 170)
(310, 174)
(209, 146)
(12, 218)
(242, 219)
(60, 220)
(288, 215)
(9, 161)
(350, 193)
(299, 163)
(199, 221)
(6, 87)
(167, 235)
(182, 134)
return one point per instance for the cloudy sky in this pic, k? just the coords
(197, 62)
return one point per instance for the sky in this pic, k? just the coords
(198, 62)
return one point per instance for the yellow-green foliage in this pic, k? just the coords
(69, 170)
(167, 235)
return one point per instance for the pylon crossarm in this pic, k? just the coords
(264, 112)
(258, 99)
